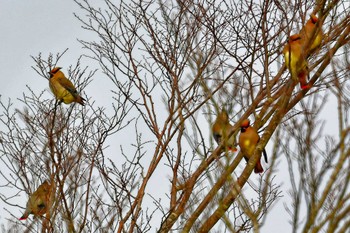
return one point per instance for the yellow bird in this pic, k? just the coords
(308, 31)
(248, 139)
(38, 201)
(295, 60)
(221, 128)
(62, 88)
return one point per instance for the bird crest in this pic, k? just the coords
(313, 18)
(294, 37)
(54, 71)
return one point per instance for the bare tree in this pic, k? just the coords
(48, 141)
(173, 66)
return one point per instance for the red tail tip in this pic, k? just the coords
(22, 218)
(258, 170)
(305, 87)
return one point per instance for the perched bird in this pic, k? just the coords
(38, 201)
(308, 33)
(248, 139)
(295, 60)
(62, 88)
(221, 129)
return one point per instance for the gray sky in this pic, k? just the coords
(31, 27)
(48, 26)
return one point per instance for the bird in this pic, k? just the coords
(248, 139)
(308, 31)
(38, 202)
(62, 88)
(295, 60)
(220, 130)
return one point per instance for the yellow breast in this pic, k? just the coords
(60, 92)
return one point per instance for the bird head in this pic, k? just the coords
(223, 116)
(313, 19)
(294, 37)
(244, 125)
(54, 71)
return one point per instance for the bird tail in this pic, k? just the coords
(24, 216)
(258, 168)
(303, 80)
(80, 100)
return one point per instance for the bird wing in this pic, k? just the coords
(265, 155)
(68, 85)
(217, 137)
(264, 152)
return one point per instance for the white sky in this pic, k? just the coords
(48, 26)
(30, 27)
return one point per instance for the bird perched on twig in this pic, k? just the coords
(38, 202)
(248, 139)
(62, 88)
(311, 31)
(295, 60)
(221, 129)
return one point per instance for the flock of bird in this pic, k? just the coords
(295, 53)
(248, 138)
(299, 47)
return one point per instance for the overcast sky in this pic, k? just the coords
(31, 27)
(49, 26)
